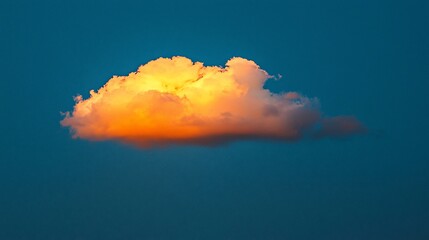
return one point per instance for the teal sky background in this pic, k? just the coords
(364, 58)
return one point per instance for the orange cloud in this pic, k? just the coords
(177, 101)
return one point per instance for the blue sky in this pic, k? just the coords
(364, 58)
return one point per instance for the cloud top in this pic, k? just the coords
(177, 101)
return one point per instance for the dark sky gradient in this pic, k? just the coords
(364, 58)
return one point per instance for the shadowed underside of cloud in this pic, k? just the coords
(177, 101)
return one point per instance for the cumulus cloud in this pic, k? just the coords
(177, 101)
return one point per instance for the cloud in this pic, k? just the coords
(177, 101)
